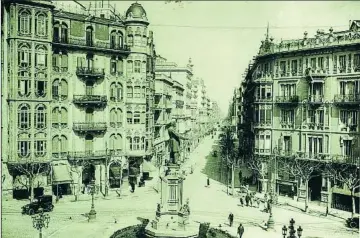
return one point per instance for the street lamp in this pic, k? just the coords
(92, 213)
(292, 231)
(41, 221)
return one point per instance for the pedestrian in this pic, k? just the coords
(242, 201)
(208, 182)
(240, 230)
(247, 198)
(231, 219)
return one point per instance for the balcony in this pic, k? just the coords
(287, 100)
(347, 99)
(58, 69)
(86, 100)
(93, 46)
(264, 99)
(92, 72)
(261, 151)
(316, 99)
(90, 127)
(313, 156)
(262, 124)
(348, 159)
(99, 154)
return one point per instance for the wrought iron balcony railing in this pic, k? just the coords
(287, 99)
(266, 123)
(60, 69)
(89, 126)
(347, 98)
(316, 98)
(90, 99)
(90, 72)
(93, 44)
(265, 99)
(94, 154)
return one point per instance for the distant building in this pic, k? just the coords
(301, 98)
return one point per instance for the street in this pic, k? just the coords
(206, 205)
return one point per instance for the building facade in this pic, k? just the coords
(301, 98)
(78, 92)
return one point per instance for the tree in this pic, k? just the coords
(77, 168)
(32, 170)
(302, 169)
(228, 152)
(348, 175)
(259, 167)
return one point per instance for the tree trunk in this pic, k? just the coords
(227, 179)
(352, 203)
(306, 194)
(233, 179)
(31, 188)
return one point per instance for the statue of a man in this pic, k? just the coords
(174, 142)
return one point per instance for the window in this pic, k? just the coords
(89, 36)
(136, 92)
(24, 117)
(41, 25)
(129, 66)
(40, 117)
(348, 148)
(40, 148)
(137, 117)
(282, 68)
(113, 40)
(137, 66)
(129, 143)
(120, 41)
(294, 68)
(321, 63)
(40, 86)
(64, 33)
(142, 143)
(143, 91)
(136, 145)
(129, 117)
(263, 142)
(24, 56)
(41, 57)
(342, 63)
(59, 89)
(287, 117)
(25, 22)
(143, 67)
(113, 66)
(357, 63)
(23, 148)
(313, 63)
(315, 145)
(24, 86)
(129, 92)
(349, 118)
(56, 36)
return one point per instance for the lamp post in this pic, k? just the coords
(92, 213)
(292, 231)
(41, 221)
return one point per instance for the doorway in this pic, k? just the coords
(88, 174)
(315, 183)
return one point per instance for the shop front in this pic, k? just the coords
(61, 179)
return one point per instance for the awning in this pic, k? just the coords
(115, 171)
(61, 174)
(148, 167)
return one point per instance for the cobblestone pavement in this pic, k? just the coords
(207, 204)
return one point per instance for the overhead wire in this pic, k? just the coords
(244, 27)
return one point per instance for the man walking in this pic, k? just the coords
(240, 230)
(231, 219)
(208, 182)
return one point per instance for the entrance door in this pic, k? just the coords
(89, 143)
(315, 187)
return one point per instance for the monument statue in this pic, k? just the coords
(174, 142)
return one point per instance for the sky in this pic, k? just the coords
(222, 37)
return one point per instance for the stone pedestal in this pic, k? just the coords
(172, 215)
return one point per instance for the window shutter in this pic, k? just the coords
(64, 61)
(64, 88)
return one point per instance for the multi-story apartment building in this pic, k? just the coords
(182, 75)
(302, 98)
(68, 79)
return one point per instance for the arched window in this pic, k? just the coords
(60, 61)
(24, 116)
(55, 145)
(55, 89)
(64, 117)
(24, 146)
(55, 114)
(24, 55)
(40, 117)
(129, 117)
(63, 144)
(113, 40)
(136, 143)
(41, 56)
(113, 67)
(143, 67)
(41, 24)
(25, 22)
(129, 66)
(142, 143)
(56, 30)
(40, 146)
(59, 89)
(119, 117)
(113, 117)
(89, 36)
(120, 39)
(129, 91)
(64, 89)
(116, 92)
(64, 33)
(129, 143)
(115, 142)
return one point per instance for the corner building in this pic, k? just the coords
(77, 92)
(306, 103)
